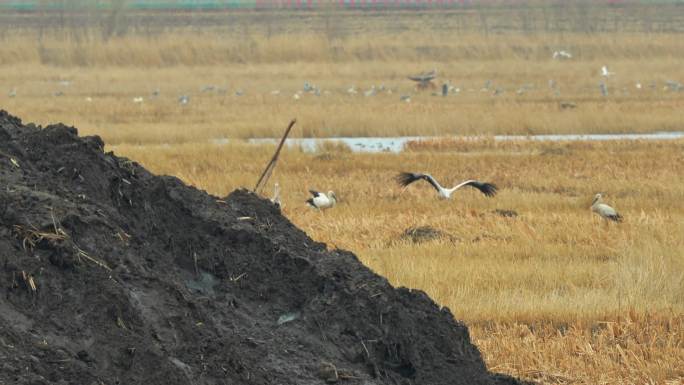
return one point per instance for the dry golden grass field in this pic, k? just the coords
(245, 74)
(554, 294)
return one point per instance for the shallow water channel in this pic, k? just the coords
(396, 144)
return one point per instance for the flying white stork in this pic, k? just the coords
(604, 211)
(322, 201)
(406, 178)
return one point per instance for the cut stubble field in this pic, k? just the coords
(553, 294)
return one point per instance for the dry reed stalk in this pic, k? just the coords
(272, 163)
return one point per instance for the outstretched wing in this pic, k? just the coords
(422, 77)
(406, 178)
(487, 189)
(315, 193)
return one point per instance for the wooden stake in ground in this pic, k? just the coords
(271, 165)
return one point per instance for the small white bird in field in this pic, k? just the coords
(604, 211)
(562, 55)
(138, 99)
(605, 72)
(276, 196)
(406, 178)
(322, 201)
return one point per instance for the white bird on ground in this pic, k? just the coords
(276, 196)
(406, 178)
(605, 72)
(184, 99)
(603, 210)
(138, 99)
(322, 201)
(562, 55)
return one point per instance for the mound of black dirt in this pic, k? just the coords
(112, 275)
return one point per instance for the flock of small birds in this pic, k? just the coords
(424, 81)
(323, 201)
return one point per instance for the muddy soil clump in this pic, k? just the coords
(112, 275)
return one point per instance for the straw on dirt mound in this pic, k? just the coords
(114, 275)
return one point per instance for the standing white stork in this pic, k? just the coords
(322, 201)
(276, 196)
(406, 178)
(603, 210)
(605, 72)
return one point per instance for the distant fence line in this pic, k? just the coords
(209, 5)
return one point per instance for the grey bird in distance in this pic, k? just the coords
(424, 79)
(603, 210)
(424, 76)
(406, 178)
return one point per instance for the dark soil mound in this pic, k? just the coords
(112, 275)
